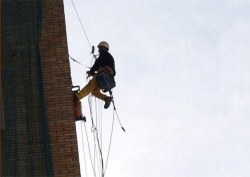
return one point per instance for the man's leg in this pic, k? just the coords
(94, 88)
(87, 89)
(97, 93)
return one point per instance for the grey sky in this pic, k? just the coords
(182, 92)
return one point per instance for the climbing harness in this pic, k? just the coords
(105, 81)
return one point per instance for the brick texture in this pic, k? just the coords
(57, 81)
(23, 143)
(23, 76)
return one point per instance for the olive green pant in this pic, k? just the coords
(93, 88)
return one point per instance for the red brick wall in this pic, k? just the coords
(23, 143)
(58, 95)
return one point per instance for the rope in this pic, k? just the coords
(111, 95)
(92, 47)
(89, 148)
(75, 60)
(100, 121)
(95, 132)
(110, 142)
(96, 135)
(81, 23)
(95, 140)
(94, 128)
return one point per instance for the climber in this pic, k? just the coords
(105, 61)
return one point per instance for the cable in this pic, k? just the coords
(81, 24)
(110, 141)
(111, 95)
(89, 148)
(100, 120)
(95, 132)
(75, 60)
(95, 137)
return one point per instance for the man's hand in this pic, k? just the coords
(88, 74)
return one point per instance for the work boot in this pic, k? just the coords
(81, 118)
(107, 102)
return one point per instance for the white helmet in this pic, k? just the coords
(103, 44)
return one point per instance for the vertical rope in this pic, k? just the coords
(81, 23)
(89, 149)
(110, 141)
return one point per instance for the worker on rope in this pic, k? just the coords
(105, 62)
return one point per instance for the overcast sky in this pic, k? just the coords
(183, 79)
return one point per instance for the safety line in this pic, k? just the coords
(100, 121)
(110, 141)
(111, 95)
(100, 150)
(74, 60)
(93, 129)
(81, 23)
(89, 149)
(95, 132)
(95, 143)
(98, 133)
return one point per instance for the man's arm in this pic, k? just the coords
(94, 67)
